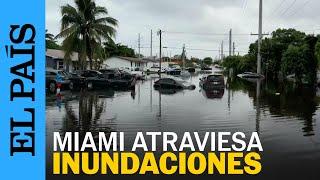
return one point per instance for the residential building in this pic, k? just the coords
(129, 62)
(55, 60)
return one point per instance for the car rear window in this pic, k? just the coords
(169, 81)
(49, 73)
(214, 77)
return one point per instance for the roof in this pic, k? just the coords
(132, 59)
(59, 54)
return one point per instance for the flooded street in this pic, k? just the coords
(286, 118)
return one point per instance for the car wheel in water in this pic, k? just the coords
(52, 87)
(71, 86)
(90, 85)
(192, 87)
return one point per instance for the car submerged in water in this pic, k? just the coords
(66, 80)
(111, 78)
(212, 81)
(171, 83)
(77, 82)
(250, 75)
(124, 81)
(94, 79)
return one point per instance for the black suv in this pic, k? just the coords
(94, 79)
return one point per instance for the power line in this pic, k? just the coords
(191, 49)
(279, 6)
(300, 8)
(244, 5)
(290, 6)
(205, 34)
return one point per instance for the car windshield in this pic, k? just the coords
(62, 73)
(214, 77)
(179, 80)
(167, 80)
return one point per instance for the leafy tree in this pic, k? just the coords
(207, 61)
(83, 26)
(272, 49)
(294, 62)
(112, 49)
(311, 59)
(287, 51)
(50, 41)
(317, 53)
(240, 64)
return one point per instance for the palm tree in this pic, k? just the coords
(83, 26)
(50, 41)
(49, 36)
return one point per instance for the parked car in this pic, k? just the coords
(168, 91)
(77, 82)
(206, 68)
(114, 71)
(140, 75)
(218, 66)
(125, 80)
(95, 79)
(191, 70)
(51, 81)
(170, 83)
(250, 75)
(155, 69)
(174, 70)
(213, 93)
(213, 81)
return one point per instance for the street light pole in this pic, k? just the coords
(139, 45)
(151, 45)
(259, 39)
(160, 56)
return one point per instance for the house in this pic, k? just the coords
(129, 62)
(55, 60)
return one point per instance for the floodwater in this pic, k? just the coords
(286, 117)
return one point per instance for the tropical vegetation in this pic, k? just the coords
(286, 52)
(51, 43)
(84, 27)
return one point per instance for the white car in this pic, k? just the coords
(134, 71)
(154, 69)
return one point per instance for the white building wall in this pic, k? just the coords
(115, 62)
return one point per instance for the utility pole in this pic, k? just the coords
(160, 54)
(260, 35)
(151, 45)
(230, 42)
(222, 51)
(183, 56)
(260, 39)
(234, 48)
(139, 45)
(219, 54)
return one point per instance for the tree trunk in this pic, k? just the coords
(89, 51)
